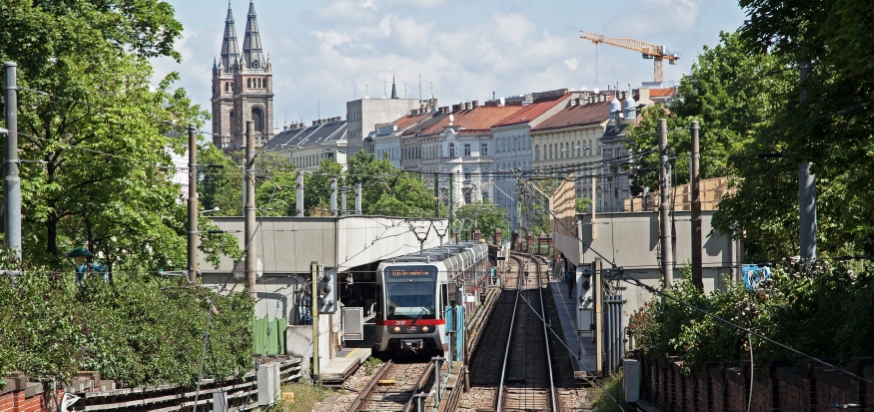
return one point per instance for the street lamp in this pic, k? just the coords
(215, 209)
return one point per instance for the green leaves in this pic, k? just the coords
(139, 330)
(825, 312)
(486, 216)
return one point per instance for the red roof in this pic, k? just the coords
(532, 111)
(578, 115)
(661, 92)
(478, 119)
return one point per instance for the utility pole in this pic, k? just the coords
(315, 268)
(299, 193)
(697, 279)
(358, 198)
(192, 204)
(251, 264)
(436, 191)
(664, 221)
(451, 202)
(594, 200)
(12, 187)
(333, 203)
(806, 193)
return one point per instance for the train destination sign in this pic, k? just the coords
(411, 273)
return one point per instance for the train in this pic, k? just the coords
(413, 292)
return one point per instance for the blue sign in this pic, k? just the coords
(753, 275)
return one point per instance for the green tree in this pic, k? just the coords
(96, 139)
(386, 190)
(485, 216)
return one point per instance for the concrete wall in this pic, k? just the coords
(287, 245)
(630, 239)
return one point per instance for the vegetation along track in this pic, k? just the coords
(393, 386)
(526, 376)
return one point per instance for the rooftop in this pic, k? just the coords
(532, 111)
(477, 119)
(308, 136)
(577, 115)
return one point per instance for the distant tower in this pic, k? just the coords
(242, 87)
(394, 89)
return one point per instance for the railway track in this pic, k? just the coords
(393, 386)
(526, 382)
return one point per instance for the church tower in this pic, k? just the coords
(242, 87)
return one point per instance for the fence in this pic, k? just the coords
(725, 386)
(711, 191)
(96, 394)
(268, 337)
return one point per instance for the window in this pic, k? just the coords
(249, 83)
(563, 150)
(257, 119)
(484, 150)
(550, 152)
(537, 152)
(599, 147)
(467, 149)
(451, 149)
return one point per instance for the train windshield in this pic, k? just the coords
(411, 292)
(412, 300)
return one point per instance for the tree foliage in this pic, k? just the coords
(826, 311)
(138, 330)
(485, 216)
(96, 139)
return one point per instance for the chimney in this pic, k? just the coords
(467, 106)
(475, 103)
(579, 101)
(456, 108)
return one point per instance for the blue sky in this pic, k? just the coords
(327, 52)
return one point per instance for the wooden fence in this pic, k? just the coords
(711, 191)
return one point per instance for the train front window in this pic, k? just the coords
(410, 300)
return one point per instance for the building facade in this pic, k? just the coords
(364, 114)
(513, 147)
(242, 87)
(307, 146)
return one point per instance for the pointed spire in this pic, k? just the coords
(394, 89)
(252, 52)
(230, 50)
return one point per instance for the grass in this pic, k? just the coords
(371, 364)
(306, 395)
(602, 402)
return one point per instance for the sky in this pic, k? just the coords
(327, 52)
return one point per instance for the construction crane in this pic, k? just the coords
(649, 50)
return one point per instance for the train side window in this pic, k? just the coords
(444, 297)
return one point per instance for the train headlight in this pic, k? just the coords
(397, 329)
(424, 328)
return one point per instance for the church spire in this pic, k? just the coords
(252, 42)
(230, 50)
(394, 89)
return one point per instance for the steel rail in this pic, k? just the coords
(500, 397)
(419, 385)
(546, 338)
(368, 389)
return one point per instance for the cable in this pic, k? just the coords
(561, 340)
(634, 281)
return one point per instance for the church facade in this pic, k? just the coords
(242, 87)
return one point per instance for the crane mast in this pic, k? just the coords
(648, 50)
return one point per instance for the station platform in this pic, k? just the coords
(582, 346)
(348, 359)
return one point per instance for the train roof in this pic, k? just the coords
(451, 254)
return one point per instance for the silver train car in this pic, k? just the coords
(413, 292)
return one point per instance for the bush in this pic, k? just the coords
(138, 330)
(825, 311)
(601, 402)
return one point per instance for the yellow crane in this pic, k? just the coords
(649, 50)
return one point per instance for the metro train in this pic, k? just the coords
(413, 292)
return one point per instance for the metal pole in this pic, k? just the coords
(436, 195)
(299, 193)
(358, 198)
(664, 221)
(251, 264)
(594, 201)
(697, 279)
(437, 382)
(451, 201)
(806, 193)
(343, 210)
(334, 196)
(314, 303)
(13, 182)
(192, 204)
